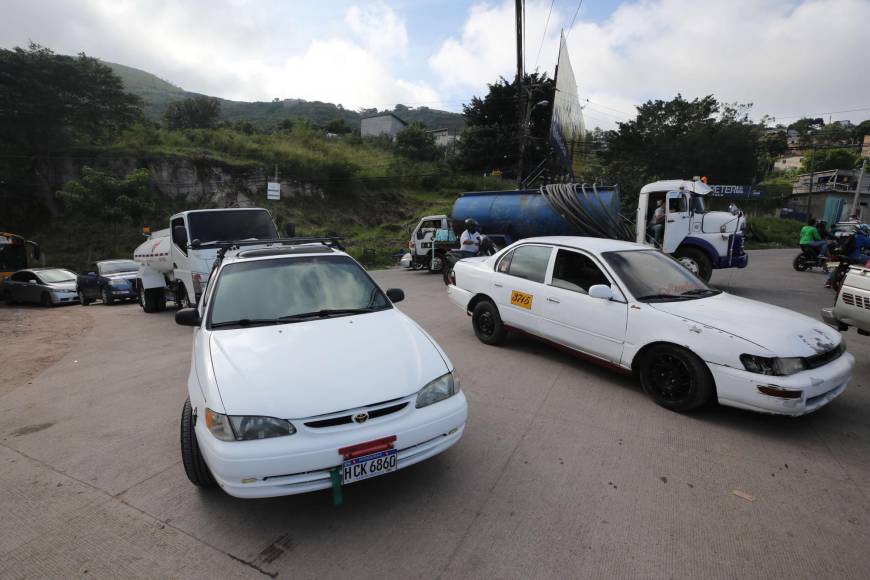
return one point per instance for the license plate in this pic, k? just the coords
(369, 466)
(521, 299)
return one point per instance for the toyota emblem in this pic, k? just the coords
(361, 417)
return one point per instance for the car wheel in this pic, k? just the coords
(487, 323)
(696, 261)
(194, 465)
(181, 299)
(45, 300)
(107, 298)
(800, 263)
(83, 300)
(676, 378)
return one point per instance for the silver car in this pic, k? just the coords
(46, 286)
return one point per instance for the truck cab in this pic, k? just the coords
(701, 240)
(431, 239)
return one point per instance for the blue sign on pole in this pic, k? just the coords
(736, 191)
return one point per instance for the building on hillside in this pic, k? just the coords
(787, 162)
(865, 147)
(384, 124)
(443, 138)
(837, 184)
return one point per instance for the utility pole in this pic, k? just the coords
(856, 199)
(812, 178)
(520, 91)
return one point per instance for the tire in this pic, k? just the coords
(676, 378)
(194, 465)
(151, 300)
(45, 300)
(181, 299)
(83, 300)
(107, 298)
(436, 264)
(800, 263)
(448, 270)
(487, 323)
(696, 261)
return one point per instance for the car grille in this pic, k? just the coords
(824, 358)
(856, 300)
(346, 417)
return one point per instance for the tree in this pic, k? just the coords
(826, 159)
(494, 128)
(833, 134)
(198, 112)
(415, 143)
(863, 128)
(338, 126)
(806, 126)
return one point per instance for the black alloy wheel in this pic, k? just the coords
(487, 323)
(676, 378)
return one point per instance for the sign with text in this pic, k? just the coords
(273, 190)
(741, 191)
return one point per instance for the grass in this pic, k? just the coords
(773, 232)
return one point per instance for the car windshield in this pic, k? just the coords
(292, 290)
(654, 277)
(58, 275)
(118, 267)
(212, 226)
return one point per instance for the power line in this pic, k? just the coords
(543, 36)
(576, 12)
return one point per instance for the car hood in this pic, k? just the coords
(783, 332)
(311, 368)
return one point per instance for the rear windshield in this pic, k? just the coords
(118, 267)
(225, 226)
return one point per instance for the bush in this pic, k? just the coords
(774, 231)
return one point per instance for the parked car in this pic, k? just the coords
(639, 311)
(46, 286)
(852, 305)
(108, 280)
(305, 376)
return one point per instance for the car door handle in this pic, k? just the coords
(496, 284)
(553, 300)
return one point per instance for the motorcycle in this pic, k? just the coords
(809, 258)
(487, 248)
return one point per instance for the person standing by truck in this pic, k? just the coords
(469, 241)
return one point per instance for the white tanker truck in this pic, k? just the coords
(172, 266)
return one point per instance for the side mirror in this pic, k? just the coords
(187, 317)
(601, 291)
(395, 295)
(179, 236)
(290, 230)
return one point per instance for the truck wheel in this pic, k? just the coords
(676, 378)
(487, 323)
(148, 299)
(436, 264)
(45, 300)
(194, 465)
(107, 298)
(696, 261)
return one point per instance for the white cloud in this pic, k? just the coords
(787, 57)
(380, 29)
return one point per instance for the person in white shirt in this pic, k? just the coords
(469, 241)
(657, 223)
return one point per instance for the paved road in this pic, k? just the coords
(566, 470)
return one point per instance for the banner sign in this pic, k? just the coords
(738, 191)
(566, 125)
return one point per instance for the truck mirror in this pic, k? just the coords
(187, 317)
(395, 295)
(290, 230)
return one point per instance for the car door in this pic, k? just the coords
(517, 285)
(569, 316)
(32, 289)
(677, 220)
(18, 286)
(89, 283)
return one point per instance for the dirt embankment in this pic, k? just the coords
(33, 338)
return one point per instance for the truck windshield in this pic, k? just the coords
(12, 257)
(118, 267)
(225, 226)
(698, 204)
(292, 290)
(654, 277)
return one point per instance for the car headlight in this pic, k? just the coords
(441, 388)
(773, 366)
(246, 428)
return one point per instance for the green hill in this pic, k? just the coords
(158, 93)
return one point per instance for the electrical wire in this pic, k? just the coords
(576, 12)
(543, 36)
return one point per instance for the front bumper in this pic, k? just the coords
(64, 297)
(820, 386)
(301, 462)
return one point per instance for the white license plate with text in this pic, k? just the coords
(368, 466)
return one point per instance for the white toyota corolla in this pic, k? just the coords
(637, 310)
(305, 376)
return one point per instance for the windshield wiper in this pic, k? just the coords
(701, 292)
(325, 313)
(245, 322)
(663, 297)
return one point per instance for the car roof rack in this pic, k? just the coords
(224, 247)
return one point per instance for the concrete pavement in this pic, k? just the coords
(565, 470)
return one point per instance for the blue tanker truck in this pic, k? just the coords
(701, 240)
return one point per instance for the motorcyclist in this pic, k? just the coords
(860, 250)
(810, 238)
(469, 241)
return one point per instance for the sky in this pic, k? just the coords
(790, 58)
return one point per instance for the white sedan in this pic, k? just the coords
(304, 377)
(633, 308)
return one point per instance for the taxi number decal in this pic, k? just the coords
(521, 299)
